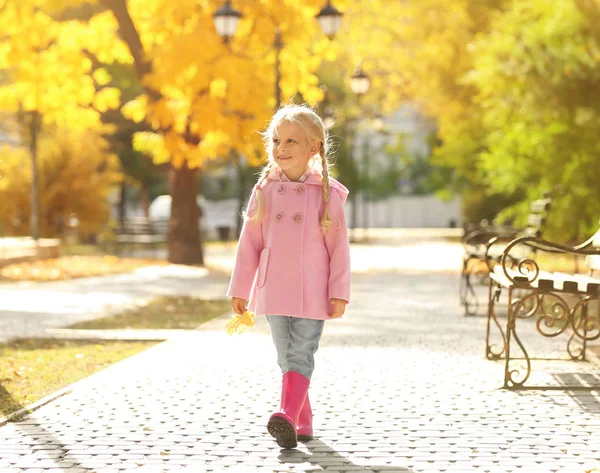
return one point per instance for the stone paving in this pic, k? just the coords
(401, 385)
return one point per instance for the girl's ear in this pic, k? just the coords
(316, 146)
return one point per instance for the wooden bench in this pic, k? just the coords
(485, 244)
(141, 231)
(558, 302)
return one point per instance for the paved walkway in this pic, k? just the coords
(29, 309)
(401, 385)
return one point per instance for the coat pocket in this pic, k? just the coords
(262, 267)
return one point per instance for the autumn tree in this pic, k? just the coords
(46, 77)
(198, 92)
(513, 87)
(424, 51)
(537, 75)
(76, 174)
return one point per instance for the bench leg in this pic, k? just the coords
(491, 350)
(577, 353)
(468, 298)
(512, 377)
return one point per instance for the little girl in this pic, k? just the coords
(293, 258)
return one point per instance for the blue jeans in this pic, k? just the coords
(296, 341)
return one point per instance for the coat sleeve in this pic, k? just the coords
(338, 247)
(247, 255)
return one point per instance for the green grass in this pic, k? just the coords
(31, 369)
(173, 312)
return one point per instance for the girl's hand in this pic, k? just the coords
(339, 307)
(238, 305)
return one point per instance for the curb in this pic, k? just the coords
(31, 408)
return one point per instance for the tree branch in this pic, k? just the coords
(143, 67)
(130, 35)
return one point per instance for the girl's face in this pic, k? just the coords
(292, 149)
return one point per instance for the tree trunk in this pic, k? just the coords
(184, 242)
(122, 204)
(145, 198)
(242, 195)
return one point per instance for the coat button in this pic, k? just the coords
(279, 216)
(300, 190)
(297, 217)
(281, 189)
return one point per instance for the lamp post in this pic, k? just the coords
(360, 84)
(226, 20)
(328, 117)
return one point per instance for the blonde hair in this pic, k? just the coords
(306, 118)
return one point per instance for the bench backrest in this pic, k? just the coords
(593, 262)
(538, 216)
(141, 225)
(160, 227)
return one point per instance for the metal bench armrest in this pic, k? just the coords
(527, 267)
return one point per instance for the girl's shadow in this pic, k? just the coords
(322, 456)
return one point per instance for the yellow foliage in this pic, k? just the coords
(218, 88)
(209, 92)
(101, 76)
(136, 109)
(76, 175)
(107, 98)
(152, 144)
(46, 63)
(202, 91)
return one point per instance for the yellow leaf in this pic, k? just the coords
(136, 109)
(101, 76)
(218, 88)
(107, 98)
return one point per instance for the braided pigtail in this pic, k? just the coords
(326, 220)
(258, 197)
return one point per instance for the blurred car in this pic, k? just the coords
(219, 219)
(160, 209)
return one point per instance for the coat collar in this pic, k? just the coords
(313, 178)
(316, 179)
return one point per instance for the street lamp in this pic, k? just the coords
(226, 20)
(360, 82)
(328, 117)
(330, 20)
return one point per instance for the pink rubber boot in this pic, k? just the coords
(283, 424)
(305, 429)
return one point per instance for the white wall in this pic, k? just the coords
(395, 212)
(407, 212)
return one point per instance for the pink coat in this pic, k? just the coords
(285, 265)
